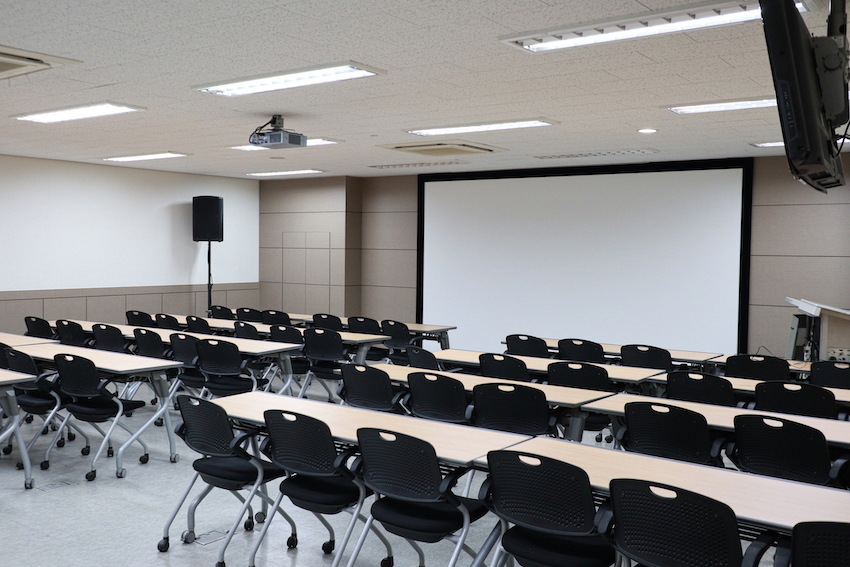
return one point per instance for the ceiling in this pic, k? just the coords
(444, 66)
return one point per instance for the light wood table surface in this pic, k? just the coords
(793, 365)
(436, 332)
(676, 355)
(12, 423)
(14, 341)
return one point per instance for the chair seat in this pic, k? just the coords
(37, 404)
(326, 369)
(232, 473)
(100, 409)
(424, 521)
(536, 549)
(192, 377)
(226, 386)
(323, 495)
(596, 421)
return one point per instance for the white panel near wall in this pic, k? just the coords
(650, 258)
(68, 225)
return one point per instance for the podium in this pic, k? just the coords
(832, 327)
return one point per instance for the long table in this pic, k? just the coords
(439, 333)
(12, 340)
(12, 425)
(677, 355)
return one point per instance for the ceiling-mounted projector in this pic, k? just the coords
(276, 137)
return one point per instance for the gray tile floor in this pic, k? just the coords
(66, 520)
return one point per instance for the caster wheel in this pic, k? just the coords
(259, 517)
(85, 450)
(28, 419)
(144, 458)
(71, 436)
(60, 443)
(53, 427)
(328, 547)
(28, 484)
(188, 536)
(219, 564)
(599, 438)
(91, 475)
(158, 422)
(609, 438)
(7, 449)
(45, 430)
(292, 542)
(163, 544)
(249, 525)
(110, 452)
(387, 562)
(153, 401)
(174, 458)
(45, 465)
(19, 466)
(129, 414)
(121, 473)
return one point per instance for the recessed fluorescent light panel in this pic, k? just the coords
(696, 16)
(290, 79)
(320, 142)
(481, 127)
(248, 148)
(164, 155)
(769, 144)
(78, 112)
(281, 173)
(724, 106)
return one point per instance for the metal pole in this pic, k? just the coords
(209, 278)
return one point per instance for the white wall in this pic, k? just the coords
(68, 225)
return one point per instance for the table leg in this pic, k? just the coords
(444, 340)
(285, 363)
(488, 546)
(577, 417)
(360, 357)
(9, 404)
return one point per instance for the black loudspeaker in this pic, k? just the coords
(207, 219)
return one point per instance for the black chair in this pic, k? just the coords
(758, 367)
(107, 337)
(659, 525)
(149, 343)
(438, 397)
(645, 356)
(669, 431)
(830, 374)
(370, 327)
(814, 544)
(225, 463)
(702, 387)
(398, 342)
(224, 370)
(370, 388)
(588, 377)
(550, 504)
(272, 317)
(503, 366)
(513, 408)
(140, 319)
(4, 364)
(328, 321)
(184, 348)
(526, 345)
(796, 399)
(244, 330)
(785, 449)
(421, 358)
(93, 403)
(413, 499)
(38, 327)
(249, 314)
(198, 325)
(222, 312)
(71, 333)
(166, 321)
(318, 478)
(326, 353)
(300, 364)
(581, 351)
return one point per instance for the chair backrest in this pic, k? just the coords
(421, 358)
(198, 325)
(781, 448)
(218, 358)
(526, 345)
(820, 544)
(580, 350)
(540, 493)
(797, 399)
(323, 344)
(300, 444)
(364, 325)
(367, 387)
(166, 321)
(757, 367)
(286, 334)
(185, 349)
(3, 362)
(77, 376)
(206, 428)
(667, 431)
(140, 319)
(690, 386)
(398, 332)
(272, 317)
(830, 374)
(18, 361)
(646, 356)
(148, 343)
(222, 312)
(249, 314)
(579, 375)
(70, 333)
(510, 407)
(246, 330)
(434, 396)
(327, 321)
(663, 526)
(38, 327)
(399, 466)
(503, 366)
(107, 337)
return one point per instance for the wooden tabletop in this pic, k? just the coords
(112, 362)
(793, 365)
(12, 340)
(722, 417)
(760, 500)
(347, 338)
(680, 355)
(748, 386)
(555, 395)
(9, 377)
(459, 444)
(417, 328)
(628, 374)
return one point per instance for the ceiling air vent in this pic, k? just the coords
(605, 153)
(428, 164)
(443, 148)
(16, 62)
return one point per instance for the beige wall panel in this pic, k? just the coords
(318, 266)
(65, 308)
(390, 194)
(340, 270)
(353, 194)
(803, 230)
(353, 306)
(294, 298)
(818, 279)
(178, 303)
(320, 240)
(395, 268)
(271, 264)
(243, 298)
(219, 297)
(397, 303)
(389, 231)
(773, 184)
(294, 266)
(317, 299)
(353, 265)
(13, 311)
(294, 239)
(272, 225)
(769, 328)
(336, 301)
(354, 229)
(149, 303)
(107, 309)
(271, 296)
(303, 195)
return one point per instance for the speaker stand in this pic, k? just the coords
(209, 278)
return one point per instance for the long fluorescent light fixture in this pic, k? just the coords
(482, 127)
(164, 155)
(768, 144)
(78, 112)
(281, 173)
(690, 17)
(290, 79)
(724, 106)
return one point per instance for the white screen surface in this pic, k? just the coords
(651, 258)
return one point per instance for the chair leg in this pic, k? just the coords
(462, 536)
(307, 379)
(190, 513)
(163, 543)
(418, 551)
(238, 520)
(359, 545)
